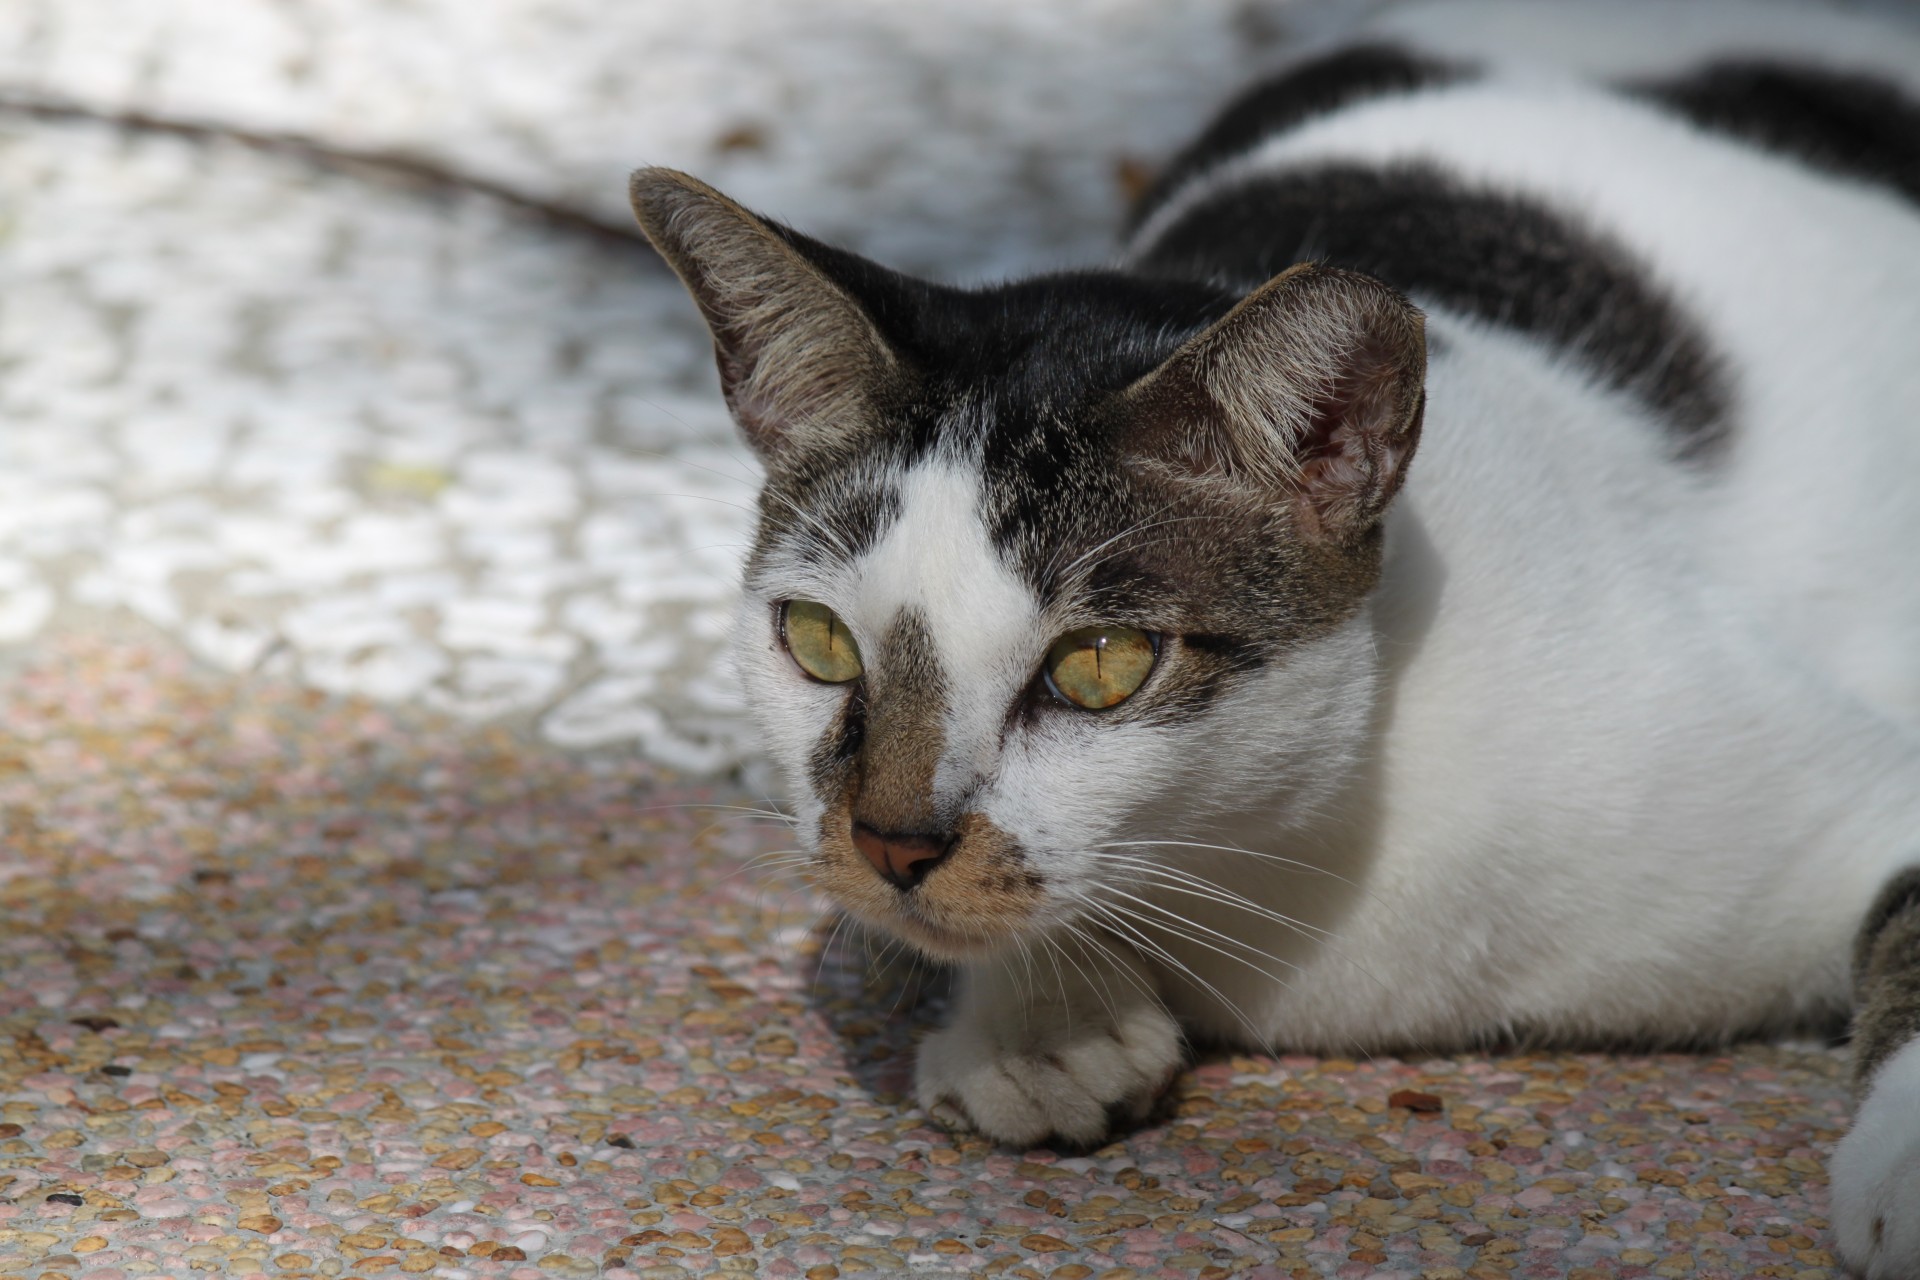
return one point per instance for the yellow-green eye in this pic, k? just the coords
(819, 641)
(1096, 667)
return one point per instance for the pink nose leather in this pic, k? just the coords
(902, 860)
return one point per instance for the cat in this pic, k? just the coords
(1118, 648)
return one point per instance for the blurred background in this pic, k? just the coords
(361, 428)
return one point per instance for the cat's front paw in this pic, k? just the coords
(1023, 1084)
(1876, 1176)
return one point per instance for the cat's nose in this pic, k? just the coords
(902, 858)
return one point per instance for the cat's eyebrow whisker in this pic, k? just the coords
(636, 451)
(832, 536)
(1079, 560)
(1061, 571)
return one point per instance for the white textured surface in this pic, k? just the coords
(429, 449)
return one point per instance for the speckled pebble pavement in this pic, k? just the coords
(378, 890)
(297, 985)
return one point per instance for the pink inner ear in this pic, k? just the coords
(1357, 437)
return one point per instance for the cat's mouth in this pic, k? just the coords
(982, 895)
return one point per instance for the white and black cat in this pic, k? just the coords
(1119, 649)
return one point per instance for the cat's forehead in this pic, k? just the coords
(978, 507)
(937, 559)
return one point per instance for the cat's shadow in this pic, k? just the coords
(879, 999)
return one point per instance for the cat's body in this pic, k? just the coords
(1605, 729)
(1674, 619)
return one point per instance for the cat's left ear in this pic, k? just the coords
(801, 362)
(1314, 386)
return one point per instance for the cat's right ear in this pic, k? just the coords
(800, 360)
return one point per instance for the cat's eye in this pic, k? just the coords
(819, 641)
(1099, 667)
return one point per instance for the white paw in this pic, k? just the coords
(1876, 1175)
(1023, 1084)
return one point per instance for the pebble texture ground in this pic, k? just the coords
(292, 984)
(366, 554)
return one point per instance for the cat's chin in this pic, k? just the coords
(942, 944)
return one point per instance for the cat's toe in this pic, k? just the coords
(1876, 1176)
(1068, 1088)
(1876, 1211)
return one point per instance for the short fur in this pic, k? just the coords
(1538, 637)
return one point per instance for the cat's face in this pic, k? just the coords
(1046, 575)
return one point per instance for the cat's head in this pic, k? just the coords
(1046, 573)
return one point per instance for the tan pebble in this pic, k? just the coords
(90, 1244)
(487, 1129)
(483, 1248)
(364, 1240)
(1044, 1244)
(383, 1203)
(730, 1240)
(561, 1262)
(377, 1262)
(463, 1158)
(539, 1180)
(509, 1253)
(950, 1245)
(1077, 1271)
(293, 1262)
(826, 1271)
(425, 1260)
(62, 1139)
(265, 1223)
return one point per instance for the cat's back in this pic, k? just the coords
(1708, 215)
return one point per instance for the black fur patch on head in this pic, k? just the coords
(1299, 93)
(1500, 257)
(1007, 373)
(1849, 123)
